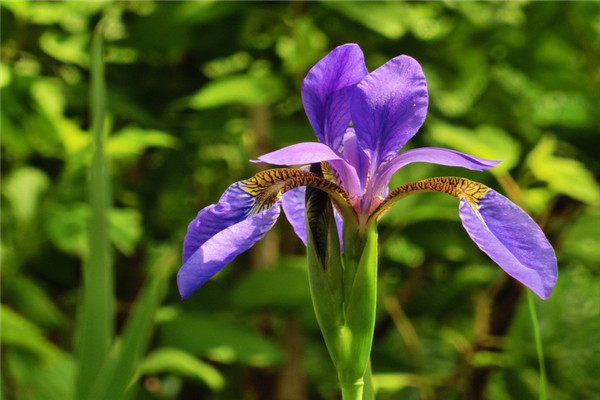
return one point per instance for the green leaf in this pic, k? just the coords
(283, 287)
(23, 188)
(69, 15)
(131, 142)
(119, 368)
(33, 379)
(125, 229)
(48, 96)
(68, 49)
(97, 309)
(5, 75)
(219, 340)
(19, 332)
(303, 48)
(67, 227)
(50, 99)
(387, 19)
(563, 175)
(181, 363)
(484, 141)
(241, 89)
(582, 240)
(32, 301)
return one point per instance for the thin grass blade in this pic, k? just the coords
(119, 369)
(97, 310)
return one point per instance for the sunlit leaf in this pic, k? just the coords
(131, 142)
(303, 48)
(125, 228)
(484, 141)
(180, 362)
(69, 49)
(387, 19)
(5, 75)
(67, 228)
(50, 99)
(563, 175)
(241, 89)
(23, 189)
(19, 332)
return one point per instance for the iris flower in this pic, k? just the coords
(362, 120)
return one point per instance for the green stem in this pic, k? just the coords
(538, 345)
(368, 393)
(352, 391)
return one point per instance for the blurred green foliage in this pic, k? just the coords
(195, 90)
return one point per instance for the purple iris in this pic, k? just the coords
(362, 120)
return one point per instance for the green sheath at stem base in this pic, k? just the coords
(343, 288)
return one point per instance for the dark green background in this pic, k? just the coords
(195, 90)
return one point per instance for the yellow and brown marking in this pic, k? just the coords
(457, 187)
(268, 186)
(327, 171)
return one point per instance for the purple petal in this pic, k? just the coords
(432, 155)
(512, 239)
(356, 156)
(326, 92)
(310, 153)
(300, 153)
(231, 224)
(339, 223)
(293, 206)
(234, 206)
(221, 249)
(389, 106)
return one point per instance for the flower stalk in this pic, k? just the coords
(343, 288)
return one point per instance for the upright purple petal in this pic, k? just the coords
(512, 239)
(220, 249)
(389, 106)
(326, 92)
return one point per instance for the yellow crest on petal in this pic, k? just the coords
(267, 187)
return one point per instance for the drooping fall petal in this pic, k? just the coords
(244, 213)
(512, 239)
(220, 249)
